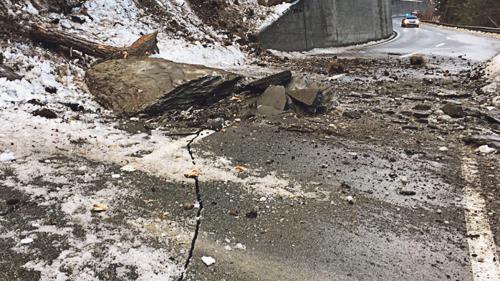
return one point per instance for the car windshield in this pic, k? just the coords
(411, 17)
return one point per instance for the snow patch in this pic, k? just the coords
(7, 156)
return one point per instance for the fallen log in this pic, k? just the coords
(56, 39)
(144, 46)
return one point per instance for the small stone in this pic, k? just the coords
(443, 149)
(99, 208)
(45, 113)
(252, 214)
(404, 180)
(128, 168)
(208, 261)
(408, 192)
(422, 113)
(26, 241)
(215, 124)
(240, 246)
(418, 60)
(350, 199)
(188, 206)
(453, 109)
(233, 212)
(51, 90)
(485, 149)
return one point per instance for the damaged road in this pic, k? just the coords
(379, 163)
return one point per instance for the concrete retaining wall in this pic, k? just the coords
(312, 24)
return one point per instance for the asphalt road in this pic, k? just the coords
(357, 211)
(383, 235)
(437, 41)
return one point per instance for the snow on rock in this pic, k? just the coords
(276, 13)
(40, 73)
(493, 73)
(120, 23)
(215, 55)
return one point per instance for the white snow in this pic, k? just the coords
(120, 23)
(7, 156)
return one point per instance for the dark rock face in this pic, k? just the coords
(153, 86)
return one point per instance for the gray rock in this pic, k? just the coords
(260, 85)
(215, 124)
(453, 109)
(153, 86)
(272, 101)
(310, 97)
(405, 192)
(422, 113)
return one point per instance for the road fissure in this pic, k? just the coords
(199, 211)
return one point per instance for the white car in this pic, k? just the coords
(410, 21)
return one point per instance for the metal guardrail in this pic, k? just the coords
(475, 28)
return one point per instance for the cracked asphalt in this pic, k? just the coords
(383, 235)
(372, 196)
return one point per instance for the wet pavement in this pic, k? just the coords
(381, 235)
(432, 40)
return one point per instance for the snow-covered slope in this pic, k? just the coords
(213, 40)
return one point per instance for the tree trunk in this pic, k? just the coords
(56, 39)
(144, 46)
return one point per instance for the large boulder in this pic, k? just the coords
(152, 86)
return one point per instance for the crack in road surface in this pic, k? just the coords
(198, 213)
(482, 248)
